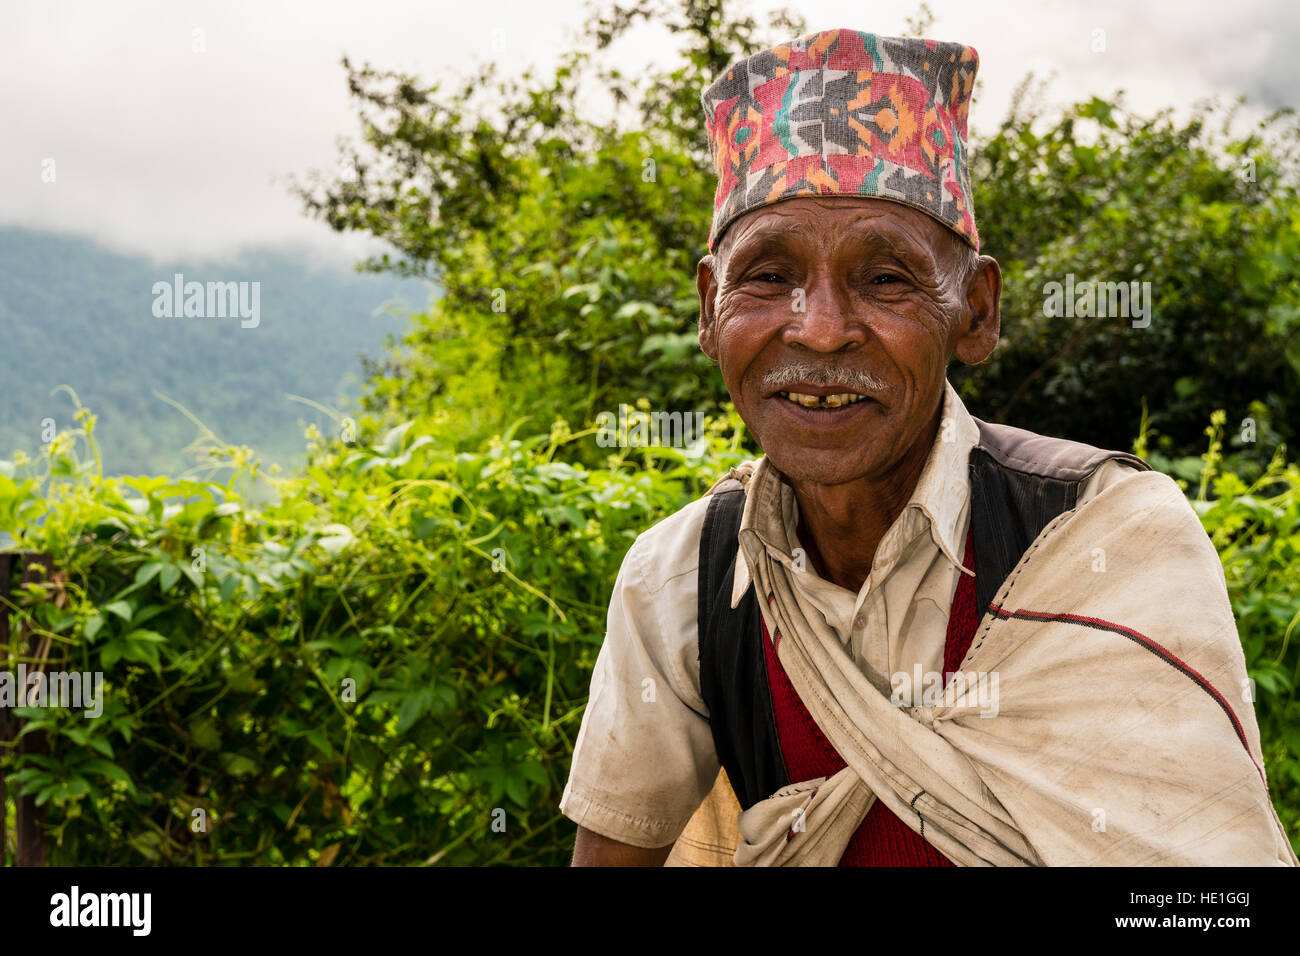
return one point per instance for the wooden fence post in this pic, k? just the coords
(29, 819)
(6, 730)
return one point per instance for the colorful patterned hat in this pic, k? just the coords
(844, 113)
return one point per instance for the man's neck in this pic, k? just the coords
(840, 526)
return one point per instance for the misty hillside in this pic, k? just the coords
(74, 313)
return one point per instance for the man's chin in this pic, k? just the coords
(818, 466)
(823, 456)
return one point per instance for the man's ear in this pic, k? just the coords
(706, 283)
(981, 320)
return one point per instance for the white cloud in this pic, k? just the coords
(163, 150)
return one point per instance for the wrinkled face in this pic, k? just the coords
(833, 320)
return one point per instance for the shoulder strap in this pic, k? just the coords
(733, 672)
(719, 543)
(1020, 481)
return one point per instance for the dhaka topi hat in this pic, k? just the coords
(845, 113)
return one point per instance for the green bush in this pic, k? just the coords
(462, 591)
(1210, 221)
(1256, 529)
(464, 594)
(456, 567)
(566, 247)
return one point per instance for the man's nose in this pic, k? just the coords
(823, 319)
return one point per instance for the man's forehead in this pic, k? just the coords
(828, 221)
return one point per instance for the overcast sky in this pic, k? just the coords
(162, 150)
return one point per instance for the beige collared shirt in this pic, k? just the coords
(644, 759)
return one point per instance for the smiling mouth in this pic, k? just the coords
(838, 400)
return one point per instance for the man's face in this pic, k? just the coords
(833, 324)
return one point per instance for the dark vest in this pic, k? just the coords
(1019, 482)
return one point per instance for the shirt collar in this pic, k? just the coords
(940, 497)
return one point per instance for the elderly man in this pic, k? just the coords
(903, 636)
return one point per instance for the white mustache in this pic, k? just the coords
(781, 378)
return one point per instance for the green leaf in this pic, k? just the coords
(534, 772)
(111, 653)
(122, 609)
(412, 707)
(205, 734)
(143, 634)
(517, 790)
(108, 770)
(320, 742)
(147, 571)
(336, 538)
(237, 765)
(392, 442)
(196, 577)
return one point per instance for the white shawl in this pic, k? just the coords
(1124, 732)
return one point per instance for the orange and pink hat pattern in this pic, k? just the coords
(845, 113)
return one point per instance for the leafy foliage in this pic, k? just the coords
(1256, 528)
(455, 563)
(361, 671)
(567, 247)
(1212, 222)
(393, 653)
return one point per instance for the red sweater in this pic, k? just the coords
(882, 839)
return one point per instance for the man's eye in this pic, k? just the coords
(770, 277)
(885, 277)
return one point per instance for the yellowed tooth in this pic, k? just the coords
(834, 401)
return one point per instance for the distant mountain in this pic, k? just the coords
(110, 326)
